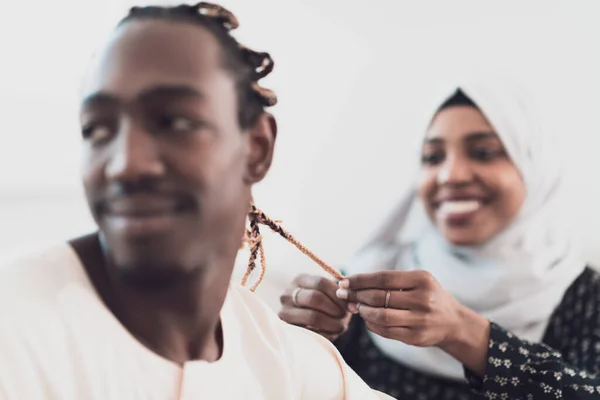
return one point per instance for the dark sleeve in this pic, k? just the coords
(517, 369)
(347, 344)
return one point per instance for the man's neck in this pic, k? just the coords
(180, 322)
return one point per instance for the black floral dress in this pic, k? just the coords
(565, 366)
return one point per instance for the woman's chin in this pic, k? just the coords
(462, 237)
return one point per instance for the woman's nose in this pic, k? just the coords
(454, 171)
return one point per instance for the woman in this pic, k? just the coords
(479, 239)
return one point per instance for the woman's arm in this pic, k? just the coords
(413, 308)
(469, 342)
(497, 363)
(521, 370)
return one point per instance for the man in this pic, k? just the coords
(175, 135)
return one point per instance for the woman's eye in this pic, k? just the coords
(432, 158)
(486, 154)
(96, 132)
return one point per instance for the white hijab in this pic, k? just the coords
(517, 278)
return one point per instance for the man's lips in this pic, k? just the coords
(140, 206)
(141, 215)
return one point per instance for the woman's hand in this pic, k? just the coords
(412, 307)
(311, 302)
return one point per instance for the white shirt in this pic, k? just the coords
(59, 341)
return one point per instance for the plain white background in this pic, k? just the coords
(352, 76)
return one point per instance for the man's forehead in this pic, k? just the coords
(151, 53)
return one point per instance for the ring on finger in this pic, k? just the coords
(295, 297)
(388, 296)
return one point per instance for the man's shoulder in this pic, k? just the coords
(39, 275)
(317, 368)
(34, 340)
(250, 309)
(247, 306)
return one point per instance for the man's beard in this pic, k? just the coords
(152, 278)
(146, 274)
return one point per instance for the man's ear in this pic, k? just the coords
(261, 143)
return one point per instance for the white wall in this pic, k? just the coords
(352, 80)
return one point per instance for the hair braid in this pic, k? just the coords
(220, 14)
(254, 239)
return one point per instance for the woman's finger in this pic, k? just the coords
(405, 280)
(321, 284)
(313, 320)
(394, 332)
(420, 300)
(312, 299)
(389, 317)
(413, 337)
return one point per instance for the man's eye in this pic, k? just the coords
(180, 124)
(177, 124)
(96, 132)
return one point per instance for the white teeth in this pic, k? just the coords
(459, 207)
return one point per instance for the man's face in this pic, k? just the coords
(167, 169)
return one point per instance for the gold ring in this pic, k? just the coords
(295, 297)
(388, 295)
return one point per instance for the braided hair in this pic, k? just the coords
(247, 67)
(253, 239)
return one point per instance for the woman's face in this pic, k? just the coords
(470, 188)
